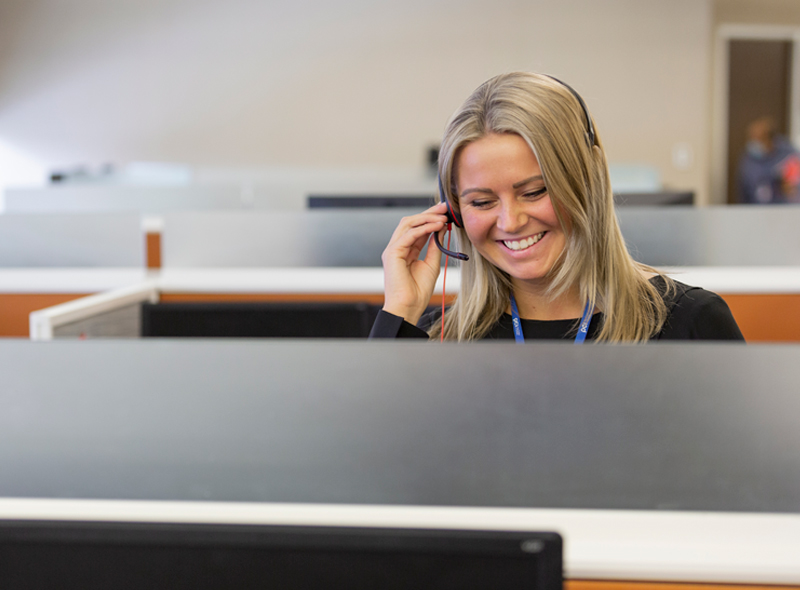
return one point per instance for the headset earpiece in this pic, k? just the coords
(452, 217)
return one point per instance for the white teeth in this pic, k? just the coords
(523, 244)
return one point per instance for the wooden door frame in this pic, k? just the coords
(719, 107)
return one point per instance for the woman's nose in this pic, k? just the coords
(511, 218)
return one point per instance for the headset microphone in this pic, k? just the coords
(453, 217)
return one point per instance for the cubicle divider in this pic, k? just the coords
(750, 256)
(725, 236)
(106, 240)
(657, 463)
(49, 259)
(142, 200)
(278, 239)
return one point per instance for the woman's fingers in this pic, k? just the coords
(424, 222)
(412, 232)
(409, 281)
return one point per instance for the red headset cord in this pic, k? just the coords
(444, 280)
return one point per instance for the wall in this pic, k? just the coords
(351, 83)
(762, 12)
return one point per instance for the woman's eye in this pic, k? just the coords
(536, 194)
(480, 204)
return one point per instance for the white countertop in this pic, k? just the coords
(68, 280)
(734, 280)
(599, 544)
(273, 280)
(724, 280)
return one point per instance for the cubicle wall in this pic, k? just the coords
(752, 253)
(660, 236)
(660, 463)
(352, 238)
(71, 240)
(48, 259)
(740, 235)
(144, 200)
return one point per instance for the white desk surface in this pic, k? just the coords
(599, 544)
(68, 280)
(274, 280)
(725, 280)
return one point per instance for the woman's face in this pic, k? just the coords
(505, 207)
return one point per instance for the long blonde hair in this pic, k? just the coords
(551, 120)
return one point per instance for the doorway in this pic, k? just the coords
(756, 73)
(759, 85)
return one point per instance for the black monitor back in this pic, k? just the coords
(370, 201)
(137, 556)
(258, 320)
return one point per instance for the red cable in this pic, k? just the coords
(444, 281)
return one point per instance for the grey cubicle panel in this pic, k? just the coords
(743, 235)
(661, 236)
(657, 426)
(71, 240)
(278, 238)
(146, 200)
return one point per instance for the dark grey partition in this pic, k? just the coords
(662, 426)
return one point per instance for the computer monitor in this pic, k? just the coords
(657, 198)
(370, 201)
(137, 555)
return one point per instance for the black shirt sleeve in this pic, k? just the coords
(697, 314)
(388, 325)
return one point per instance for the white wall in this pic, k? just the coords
(354, 83)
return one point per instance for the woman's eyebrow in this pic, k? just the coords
(531, 179)
(487, 191)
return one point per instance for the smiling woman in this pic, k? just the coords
(524, 179)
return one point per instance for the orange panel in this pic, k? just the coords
(153, 242)
(16, 307)
(624, 585)
(766, 318)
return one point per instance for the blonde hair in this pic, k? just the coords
(546, 114)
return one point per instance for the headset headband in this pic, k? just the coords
(590, 136)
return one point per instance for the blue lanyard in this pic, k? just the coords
(579, 337)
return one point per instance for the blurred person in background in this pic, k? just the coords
(769, 171)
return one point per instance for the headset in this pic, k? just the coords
(453, 217)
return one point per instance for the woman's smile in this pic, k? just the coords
(524, 243)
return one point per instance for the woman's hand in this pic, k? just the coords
(408, 280)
